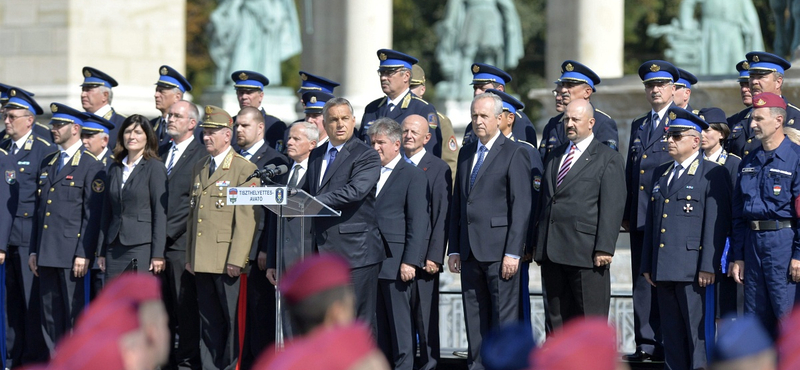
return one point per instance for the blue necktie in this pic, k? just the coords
(410, 161)
(61, 161)
(474, 175)
(172, 159)
(331, 157)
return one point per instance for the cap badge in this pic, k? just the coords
(672, 115)
(163, 71)
(53, 108)
(476, 69)
(12, 92)
(87, 74)
(382, 56)
(209, 110)
(746, 65)
(702, 117)
(760, 102)
(313, 100)
(569, 67)
(655, 68)
(755, 58)
(242, 76)
(303, 77)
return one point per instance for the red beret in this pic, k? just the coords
(768, 100)
(581, 344)
(789, 342)
(133, 289)
(315, 274)
(327, 348)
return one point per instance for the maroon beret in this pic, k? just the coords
(768, 100)
(315, 274)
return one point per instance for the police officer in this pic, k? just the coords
(24, 340)
(766, 75)
(400, 102)
(683, 89)
(310, 82)
(747, 99)
(485, 76)
(313, 101)
(95, 134)
(219, 237)
(70, 200)
(687, 222)
(764, 242)
(170, 87)
(576, 81)
(647, 149)
(250, 93)
(450, 146)
(96, 97)
(40, 129)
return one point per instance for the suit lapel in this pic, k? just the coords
(579, 164)
(497, 147)
(337, 162)
(555, 165)
(396, 173)
(687, 175)
(132, 177)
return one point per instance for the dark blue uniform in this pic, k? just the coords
(6, 216)
(69, 207)
(687, 222)
(523, 130)
(411, 104)
(605, 131)
(117, 119)
(767, 188)
(742, 140)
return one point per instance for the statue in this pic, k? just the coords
(484, 31)
(787, 31)
(255, 35)
(727, 30)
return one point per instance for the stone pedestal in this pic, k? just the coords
(46, 43)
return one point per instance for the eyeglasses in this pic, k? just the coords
(657, 85)
(388, 72)
(676, 136)
(59, 124)
(176, 115)
(11, 117)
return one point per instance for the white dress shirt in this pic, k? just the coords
(326, 158)
(386, 171)
(128, 169)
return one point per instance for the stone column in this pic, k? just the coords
(588, 31)
(46, 43)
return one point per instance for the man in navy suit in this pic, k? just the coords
(425, 291)
(178, 285)
(343, 175)
(402, 213)
(96, 98)
(489, 217)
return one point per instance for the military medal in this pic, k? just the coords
(688, 208)
(776, 190)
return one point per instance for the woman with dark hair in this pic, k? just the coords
(134, 214)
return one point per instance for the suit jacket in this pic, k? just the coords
(523, 130)
(137, 213)
(583, 215)
(23, 189)
(69, 209)
(348, 186)
(411, 104)
(218, 233)
(261, 158)
(179, 189)
(440, 187)
(291, 232)
(402, 213)
(491, 220)
(160, 128)
(687, 222)
(646, 151)
(554, 135)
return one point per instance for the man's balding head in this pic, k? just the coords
(415, 134)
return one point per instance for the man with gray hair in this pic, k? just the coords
(402, 213)
(489, 217)
(96, 97)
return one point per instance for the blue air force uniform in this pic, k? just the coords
(410, 104)
(688, 219)
(93, 77)
(40, 129)
(170, 78)
(274, 128)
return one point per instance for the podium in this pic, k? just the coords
(297, 208)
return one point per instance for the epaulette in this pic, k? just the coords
(792, 106)
(45, 142)
(240, 156)
(55, 157)
(601, 112)
(642, 116)
(91, 154)
(380, 101)
(420, 99)
(734, 155)
(441, 116)
(525, 142)
(669, 168)
(406, 101)
(3, 151)
(42, 125)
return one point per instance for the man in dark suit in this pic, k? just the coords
(489, 217)
(260, 317)
(400, 102)
(402, 212)
(96, 98)
(170, 87)
(647, 149)
(687, 223)
(177, 284)
(343, 175)
(577, 220)
(24, 340)
(71, 186)
(250, 93)
(425, 291)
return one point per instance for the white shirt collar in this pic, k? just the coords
(489, 143)
(583, 144)
(105, 150)
(417, 157)
(131, 167)
(21, 142)
(661, 113)
(183, 144)
(103, 110)
(72, 149)
(688, 162)
(399, 98)
(715, 156)
(253, 149)
(322, 142)
(393, 163)
(221, 157)
(303, 164)
(338, 147)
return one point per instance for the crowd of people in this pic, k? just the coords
(710, 202)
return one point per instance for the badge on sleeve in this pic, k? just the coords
(537, 182)
(98, 186)
(11, 177)
(433, 123)
(451, 144)
(776, 190)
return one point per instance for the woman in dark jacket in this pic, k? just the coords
(134, 214)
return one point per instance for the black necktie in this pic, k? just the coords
(211, 168)
(295, 176)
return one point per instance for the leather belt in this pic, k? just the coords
(770, 225)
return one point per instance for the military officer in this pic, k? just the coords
(765, 244)
(40, 129)
(67, 224)
(450, 146)
(766, 75)
(249, 87)
(683, 89)
(310, 82)
(313, 101)
(170, 87)
(747, 99)
(647, 149)
(485, 76)
(27, 148)
(576, 81)
(400, 102)
(95, 137)
(687, 222)
(6, 215)
(219, 239)
(96, 97)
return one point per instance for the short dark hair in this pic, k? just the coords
(151, 145)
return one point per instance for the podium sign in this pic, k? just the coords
(263, 195)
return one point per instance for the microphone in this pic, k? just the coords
(269, 171)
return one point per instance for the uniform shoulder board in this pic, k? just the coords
(642, 116)
(441, 116)
(45, 142)
(240, 156)
(792, 106)
(420, 99)
(603, 113)
(52, 157)
(90, 154)
(380, 102)
(734, 155)
(42, 125)
(3, 151)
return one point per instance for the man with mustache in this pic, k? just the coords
(766, 75)
(647, 150)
